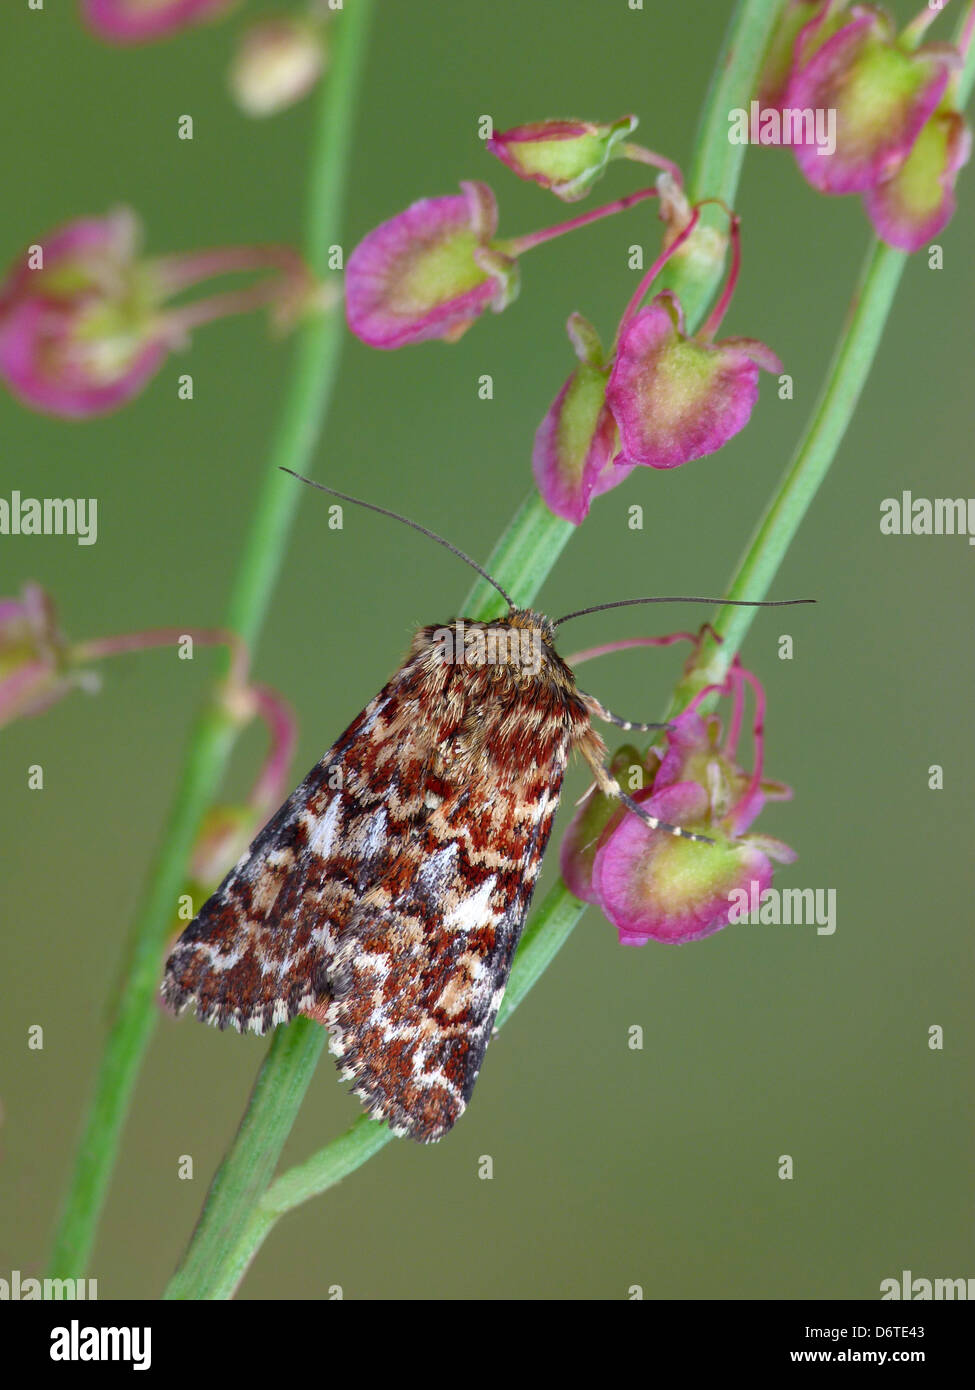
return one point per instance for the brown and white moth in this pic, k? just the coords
(386, 897)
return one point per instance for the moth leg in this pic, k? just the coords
(608, 784)
(609, 717)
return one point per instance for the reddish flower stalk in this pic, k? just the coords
(590, 653)
(515, 246)
(640, 293)
(271, 782)
(98, 647)
(639, 154)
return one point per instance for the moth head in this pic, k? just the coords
(518, 646)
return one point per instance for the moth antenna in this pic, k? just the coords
(685, 598)
(631, 725)
(424, 530)
(654, 824)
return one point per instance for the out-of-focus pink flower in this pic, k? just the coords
(799, 19)
(566, 157)
(79, 333)
(429, 272)
(882, 94)
(84, 318)
(140, 21)
(918, 200)
(652, 885)
(32, 665)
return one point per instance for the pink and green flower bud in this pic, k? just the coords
(79, 326)
(918, 200)
(141, 21)
(278, 61)
(429, 272)
(33, 668)
(882, 93)
(677, 398)
(566, 157)
(698, 250)
(577, 441)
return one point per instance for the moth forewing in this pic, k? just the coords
(386, 897)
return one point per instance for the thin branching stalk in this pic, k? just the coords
(302, 415)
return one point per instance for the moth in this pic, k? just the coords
(386, 897)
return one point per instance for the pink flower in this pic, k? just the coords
(578, 440)
(84, 322)
(917, 201)
(882, 94)
(139, 21)
(652, 885)
(566, 157)
(675, 397)
(79, 333)
(429, 272)
(799, 20)
(664, 398)
(33, 672)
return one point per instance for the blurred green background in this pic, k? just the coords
(612, 1167)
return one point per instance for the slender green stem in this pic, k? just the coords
(300, 422)
(716, 166)
(817, 449)
(232, 1226)
(848, 371)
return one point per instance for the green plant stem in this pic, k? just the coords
(232, 1227)
(316, 360)
(845, 379)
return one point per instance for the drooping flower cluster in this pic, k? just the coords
(653, 886)
(84, 317)
(659, 398)
(662, 398)
(899, 139)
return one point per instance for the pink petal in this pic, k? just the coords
(122, 21)
(674, 398)
(30, 335)
(572, 456)
(395, 290)
(653, 886)
(900, 218)
(866, 152)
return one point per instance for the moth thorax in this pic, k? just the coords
(513, 645)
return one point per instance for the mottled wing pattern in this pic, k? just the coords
(420, 971)
(386, 897)
(261, 948)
